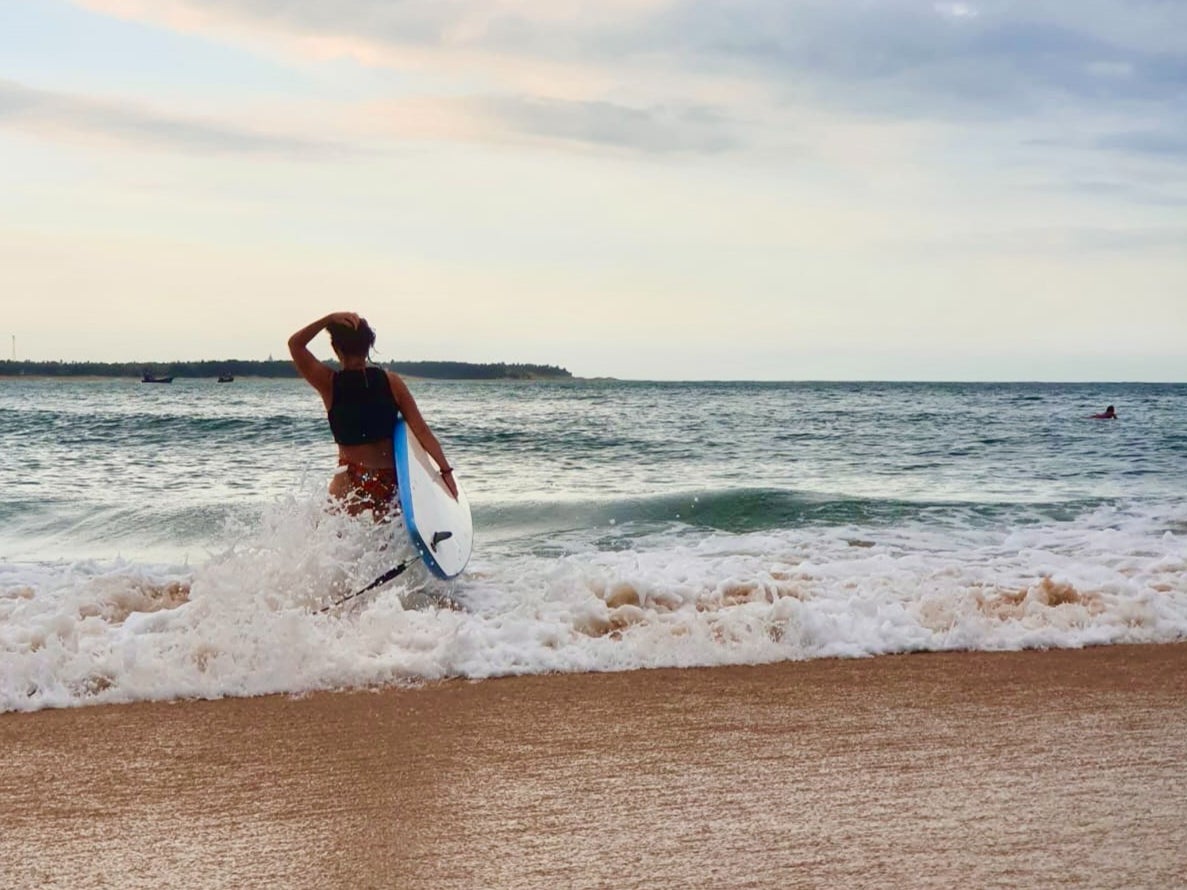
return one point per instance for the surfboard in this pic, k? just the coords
(440, 527)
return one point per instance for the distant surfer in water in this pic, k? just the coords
(362, 403)
(1108, 414)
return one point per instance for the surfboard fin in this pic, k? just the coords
(438, 537)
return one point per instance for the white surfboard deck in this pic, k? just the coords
(440, 527)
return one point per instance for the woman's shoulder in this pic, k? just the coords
(391, 375)
(396, 382)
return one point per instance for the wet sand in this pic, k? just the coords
(1032, 769)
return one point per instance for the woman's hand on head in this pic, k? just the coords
(350, 319)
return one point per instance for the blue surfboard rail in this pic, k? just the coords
(400, 443)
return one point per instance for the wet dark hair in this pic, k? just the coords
(352, 341)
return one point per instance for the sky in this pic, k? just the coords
(656, 189)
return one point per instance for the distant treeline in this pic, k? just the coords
(234, 367)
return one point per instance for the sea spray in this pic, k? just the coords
(246, 622)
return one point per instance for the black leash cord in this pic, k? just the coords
(378, 582)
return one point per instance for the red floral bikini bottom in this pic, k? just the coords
(370, 488)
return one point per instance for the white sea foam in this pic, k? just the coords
(245, 623)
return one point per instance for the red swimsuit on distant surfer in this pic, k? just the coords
(362, 404)
(1108, 414)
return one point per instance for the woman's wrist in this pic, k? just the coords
(445, 471)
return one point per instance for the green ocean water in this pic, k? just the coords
(114, 466)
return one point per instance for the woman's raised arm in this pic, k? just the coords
(319, 376)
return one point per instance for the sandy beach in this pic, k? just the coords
(1054, 769)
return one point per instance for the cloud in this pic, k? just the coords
(83, 116)
(993, 56)
(1169, 144)
(1153, 193)
(957, 10)
(911, 59)
(491, 24)
(1073, 240)
(658, 129)
(642, 129)
(676, 75)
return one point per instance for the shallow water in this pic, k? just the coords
(164, 541)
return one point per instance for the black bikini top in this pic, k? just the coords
(363, 409)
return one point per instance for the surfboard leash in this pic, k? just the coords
(378, 582)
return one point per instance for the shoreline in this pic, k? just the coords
(1031, 768)
(660, 381)
(98, 378)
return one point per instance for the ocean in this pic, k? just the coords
(172, 541)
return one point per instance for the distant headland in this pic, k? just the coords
(270, 368)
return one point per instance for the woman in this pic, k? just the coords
(362, 404)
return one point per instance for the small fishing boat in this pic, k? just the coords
(151, 378)
(226, 378)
